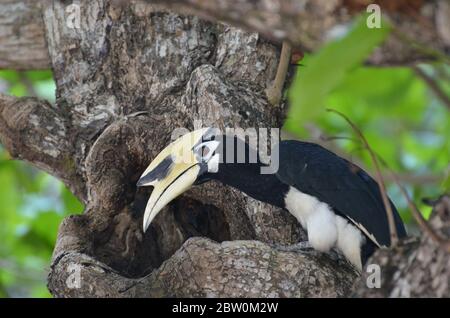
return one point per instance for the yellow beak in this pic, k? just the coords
(167, 190)
(171, 173)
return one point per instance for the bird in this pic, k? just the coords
(336, 202)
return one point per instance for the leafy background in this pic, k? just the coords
(403, 120)
(32, 204)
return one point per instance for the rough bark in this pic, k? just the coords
(203, 268)
(306, 23)
(421, 27)
(125, 79)
(22, 41)
(417, 267)
(36, 131)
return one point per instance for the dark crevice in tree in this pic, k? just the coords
(177, 69)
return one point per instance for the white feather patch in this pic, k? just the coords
(315, 216)
(364, 230)
(325, 228)
(349, 241)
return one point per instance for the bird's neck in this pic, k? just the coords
(247, 177)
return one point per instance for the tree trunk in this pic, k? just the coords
(126, 78)
(418, 267)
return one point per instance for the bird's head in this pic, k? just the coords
(184, 162)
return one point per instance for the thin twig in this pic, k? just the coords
(418, 216)
(320, 138)
(420, 47)
(379, 178)
(423, 224)
(433, 85)
(331, 138)
(274, 92)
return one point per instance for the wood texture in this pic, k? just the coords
(424, 26)
(125, 80)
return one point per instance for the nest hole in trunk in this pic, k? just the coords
(182, 219)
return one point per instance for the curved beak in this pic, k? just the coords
(167, 189)
(171, 173)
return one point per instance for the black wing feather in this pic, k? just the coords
(349, 190)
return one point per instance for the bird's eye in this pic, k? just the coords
(205, 151)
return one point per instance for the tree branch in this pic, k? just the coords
(22, 41)
(203, 268)
(434, 86)
(423, 224)
(307, 24)
(319, 137)
(125, 80)
(417, 267)
(34, 130)
(379, 178)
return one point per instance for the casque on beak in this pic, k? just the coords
(172, 172)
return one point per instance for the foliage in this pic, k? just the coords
(32, 205)
(401, 117)
(327, 69)
(403, 121)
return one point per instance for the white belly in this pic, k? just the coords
(325, 228)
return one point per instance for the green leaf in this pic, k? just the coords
(327, 69)
(18, 90)
(37, 76)
(10, 76)
(45, 227)
(446, 183)
(71, 202)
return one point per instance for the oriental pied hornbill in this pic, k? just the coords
(337, 203)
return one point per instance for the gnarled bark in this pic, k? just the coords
(22, 41)
(203, 268)
(417, 267)
(305, 23)
(421, 27)
(125, 80)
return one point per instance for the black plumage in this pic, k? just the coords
(316, 171)
(348, 189)
(338, 203)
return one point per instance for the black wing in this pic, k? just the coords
(349, 190)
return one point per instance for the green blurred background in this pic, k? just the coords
(404, 120)
(32, 204)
